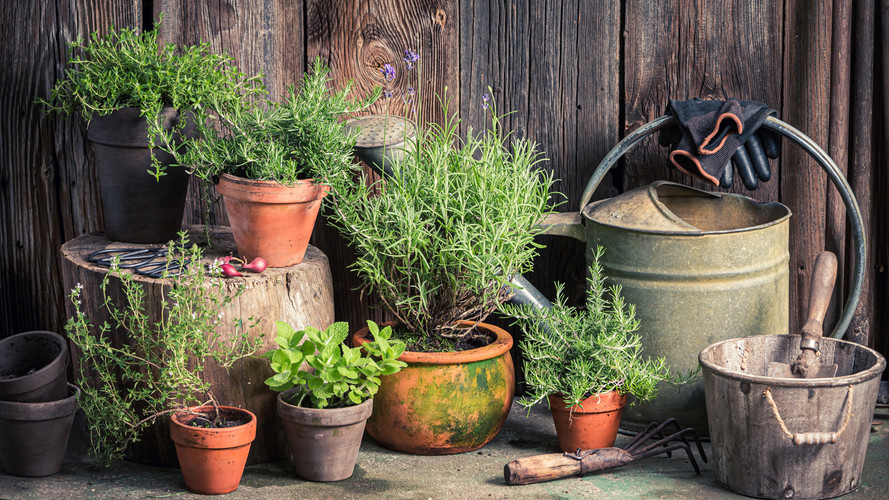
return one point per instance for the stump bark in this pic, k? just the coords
(300, 295)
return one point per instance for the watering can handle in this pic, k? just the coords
(826, 163)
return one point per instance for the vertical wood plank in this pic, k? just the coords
(356, 39)
(861, 175)
(46, 175)
(838, 146)
(555, 67)
(807, 107)
(263, 37)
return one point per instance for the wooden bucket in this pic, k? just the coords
(789, 438)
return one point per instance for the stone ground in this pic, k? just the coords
(475, 475)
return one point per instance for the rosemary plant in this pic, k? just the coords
(442, 237)
(581, 352)
(299, 138)
(124, 388)
(127, 69)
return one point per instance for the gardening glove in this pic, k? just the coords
(708, 135)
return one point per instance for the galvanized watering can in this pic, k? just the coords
(700, 267)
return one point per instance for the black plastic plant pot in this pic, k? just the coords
(137, 208)
(33, 367)
(34, 436)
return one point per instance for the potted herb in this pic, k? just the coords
(133, 93)
(437, 241)
(158, 370)
(264, 161)
(328, 391)
(586, 362)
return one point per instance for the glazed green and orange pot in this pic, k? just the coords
(444, 402)
(591, 425)
(271, 220)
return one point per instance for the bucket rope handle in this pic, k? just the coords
(853, 213)
(811, 437)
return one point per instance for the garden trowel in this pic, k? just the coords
(808, 364)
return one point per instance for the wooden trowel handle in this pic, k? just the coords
(823, 277)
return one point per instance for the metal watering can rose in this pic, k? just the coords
(701, 267)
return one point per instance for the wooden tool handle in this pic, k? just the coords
(540, 468)
(823, 277)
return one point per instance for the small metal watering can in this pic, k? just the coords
(700, 267)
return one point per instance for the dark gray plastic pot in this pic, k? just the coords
(34, 436)
(137, 208)
(324, 443)
(33, 367)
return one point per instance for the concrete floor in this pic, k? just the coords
(384, 474)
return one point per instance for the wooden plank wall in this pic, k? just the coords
(577, 74)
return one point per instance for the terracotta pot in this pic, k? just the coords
(591, 425)
(33, 367)
(444, 402)
(271, 220)
(34, 436)
(324, 443)
(212, 460)
(137, 207)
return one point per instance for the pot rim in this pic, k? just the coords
(223, 437)
(711, 368)
(49, 410)
(263, 191)
(38, 378)
(596, 403)
(501, 345)
(327, 417)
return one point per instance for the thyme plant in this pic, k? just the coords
(335, 375)
(126, 386)
(301, 137)
(595, 349)
(128, 69)
(441, 238)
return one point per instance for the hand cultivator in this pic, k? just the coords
(647, 443)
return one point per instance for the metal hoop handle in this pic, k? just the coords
(827, 164)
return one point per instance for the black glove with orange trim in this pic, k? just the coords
(710, 136)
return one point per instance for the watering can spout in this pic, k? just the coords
(526, 293)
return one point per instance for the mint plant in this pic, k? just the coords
(128, 69)
(125, 387)
(578, 352)
(335, 375)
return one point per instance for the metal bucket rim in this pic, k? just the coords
(854, 378)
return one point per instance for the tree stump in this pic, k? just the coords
(301, 295)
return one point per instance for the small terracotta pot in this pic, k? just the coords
(33, 367)
(212, 460)
(324, 443)
(271, 220)
(592, 424)
(444, 402)
(34, 436)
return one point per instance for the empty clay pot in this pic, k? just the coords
(34, 436)
(212, 459)
(324, 443)
(592, 424)
(33, 367)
